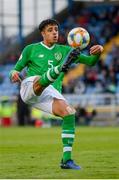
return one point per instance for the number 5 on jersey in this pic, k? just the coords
(50, 64)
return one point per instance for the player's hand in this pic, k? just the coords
(96, 49)
(14, 76)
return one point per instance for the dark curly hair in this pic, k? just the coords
(46, 22)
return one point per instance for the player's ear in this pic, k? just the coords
(42, 33)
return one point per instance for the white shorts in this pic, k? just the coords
(44, 101)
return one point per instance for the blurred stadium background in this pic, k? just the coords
(28, 152)
(94, 92)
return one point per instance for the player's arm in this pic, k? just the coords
(21, 63)
(91, 59)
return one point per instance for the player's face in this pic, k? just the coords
(50, 34)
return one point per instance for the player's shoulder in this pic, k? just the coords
(63, 47)
(31, 46)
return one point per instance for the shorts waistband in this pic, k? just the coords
(29, 79)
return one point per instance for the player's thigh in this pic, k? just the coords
(26, 89)
(45, 101)
(61, 108)
(51, 101)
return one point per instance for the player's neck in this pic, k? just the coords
(48, 44)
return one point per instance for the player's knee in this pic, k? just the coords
(61, 108)
(70, 110)
(65, 111)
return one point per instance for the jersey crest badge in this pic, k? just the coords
(58, 56)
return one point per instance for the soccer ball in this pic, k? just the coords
(78, 37)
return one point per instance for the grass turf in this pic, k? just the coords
(35, 153)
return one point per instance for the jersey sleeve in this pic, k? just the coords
(89, 60)
(23, 60)
(67, 48)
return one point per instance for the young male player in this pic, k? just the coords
(46, 64)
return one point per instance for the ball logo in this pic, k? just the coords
(58, 56)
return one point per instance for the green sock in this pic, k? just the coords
(50, 76)
(68, 134)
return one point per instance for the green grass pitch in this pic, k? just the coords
(36, 152)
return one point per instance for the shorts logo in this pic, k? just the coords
(58, 56)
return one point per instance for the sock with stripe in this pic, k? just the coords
(50, 76)
(68, 134)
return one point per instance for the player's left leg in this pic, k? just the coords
(62, 109)
(51, 101)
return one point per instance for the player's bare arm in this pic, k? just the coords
(96, 49)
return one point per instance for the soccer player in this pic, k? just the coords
(46, 64)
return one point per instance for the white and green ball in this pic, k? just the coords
(78, 37)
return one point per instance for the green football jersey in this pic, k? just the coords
(38, 58)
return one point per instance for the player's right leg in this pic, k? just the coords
(51, 75)
(40, 83)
